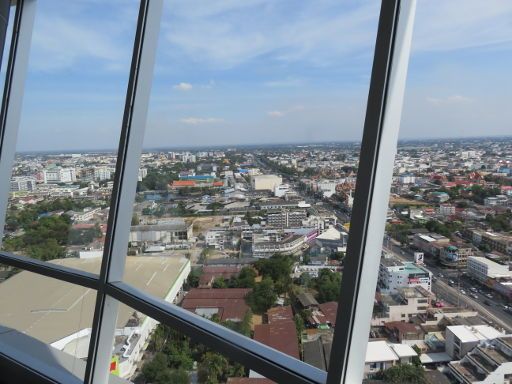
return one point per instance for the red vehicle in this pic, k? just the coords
(439, 304)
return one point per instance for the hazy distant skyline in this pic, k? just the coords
(258, 71)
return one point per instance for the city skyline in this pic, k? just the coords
(234, 74)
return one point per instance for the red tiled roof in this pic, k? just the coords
(277, 314)
(281, 336)
(212, 272)
(230, 302)
(329, 310)
(183, 183)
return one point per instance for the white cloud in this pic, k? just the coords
(442, 25)
(200, 120)
(276, 113)
(183, 87)
(285, 83)
(282, 113)
(227, 33)
(449, 100)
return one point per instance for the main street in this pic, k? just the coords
(491, 308)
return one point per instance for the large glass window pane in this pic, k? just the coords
(444, 276)
(67, 143)
(249, 164)
(46, 319)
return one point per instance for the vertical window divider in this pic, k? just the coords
(12, 102)
(378, 149)
(125, 183)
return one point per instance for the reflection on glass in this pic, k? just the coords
(46, 318)
(64, 168)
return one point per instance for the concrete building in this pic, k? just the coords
(496, 241)
(332, 240)
(266, 245)
(460, 339)
(286, 219)
(59, 175)
(381, 355)
(168, 232)
(455, 255)
(265, 182)
(395, 274)
(401, 306)
(487, 363)
(484, 269)
(36, 306)
(23, 183)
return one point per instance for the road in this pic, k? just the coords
(494, 311)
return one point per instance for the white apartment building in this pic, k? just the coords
(381, 355)
(402, 305)
(143, 172)
(59, 175)
(23, 183)
(265, 182)
(327, 187)
(483, 269)
(102, 173)
(395, 274)
(488, 363)
(460, 339)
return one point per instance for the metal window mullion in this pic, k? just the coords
(125, 183)
(56, 271)
(12, 101)
(378, 151)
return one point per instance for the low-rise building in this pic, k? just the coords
(484, 270)
(395, 274)
(455, 255)
(265, 182)
(23, 183)
(166, 232)
(460, 339)
(488, 362)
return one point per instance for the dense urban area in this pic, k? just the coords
(255, 239)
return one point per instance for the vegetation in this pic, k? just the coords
(263, 296)
(327, 284)
(404, 373)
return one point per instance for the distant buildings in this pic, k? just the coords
(23, 183)
(59, 175)
(166, 232)
(265, 182)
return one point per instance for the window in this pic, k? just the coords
(126, 291)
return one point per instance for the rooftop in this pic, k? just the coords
(49, 309)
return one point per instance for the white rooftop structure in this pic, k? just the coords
(475, 333)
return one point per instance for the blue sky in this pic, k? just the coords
(262, 71)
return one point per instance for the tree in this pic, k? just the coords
(404, 373)
(135, 219)
(246, 278)
(212, 368)
(278, 268)
(328, 285)
(263, 296)
(174, 376)
(152, 368)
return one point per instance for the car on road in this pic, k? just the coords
(489, 295)
(505, 307)
(473, 289)
(451, 283)
(474, 296)
(463, 291)
(440, 275)
(486, 302)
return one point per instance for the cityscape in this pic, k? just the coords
(255, 238)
